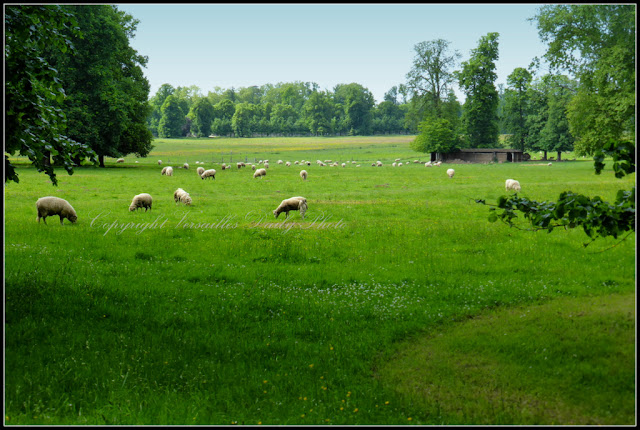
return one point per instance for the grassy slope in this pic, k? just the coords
(177, 325)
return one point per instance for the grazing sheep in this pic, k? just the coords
(379, 163)
(303, 174)
(211, 173)
(438, 163)
(266, 165)
(253, 167)
(200, 170)
(143, 200)
(512, 184)
(120, 160)
(427, 164)
(308, 163)
(296, 162)
(185, 166)
(280, 162)
(344, 165)
(288, 164)
(399, 164)
(292, 204)
(451, 172)
(549, 164)
(394, 164)
(260, 173)
(159, 162)
(50, 205)
(167, 171)
(182, 196)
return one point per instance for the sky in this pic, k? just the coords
(240, 45)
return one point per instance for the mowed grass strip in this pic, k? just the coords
(569, 361)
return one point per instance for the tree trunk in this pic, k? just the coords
(544, 158)
(559, 155)
(101, 160)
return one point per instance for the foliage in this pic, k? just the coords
(596, 43)
(516, 106)
(436, 135)
(172, 119)
(202, 115)
(357, 103)
(476, 79)
(35, 121)
(431, 76)
(107, 101)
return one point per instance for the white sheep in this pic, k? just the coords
(143, 200)
(292, 204)
(379, 163)
(280, 162)
(200, 169)
(308, 163)
(427, 164)
(397, 160)
(303, 174)
(50, 205)
(182, 196)
(159, 162)
(168, 171)
(211, 173)
(451, 172)
(394, 164)
(288, 164)
(512, 184)
(260, 173)
(344, 165)
(266, 165)
(120, 160)
(253, 167)
(185, 166)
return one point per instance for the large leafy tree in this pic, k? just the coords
(317, 112)
(34, 119)
(172, 119)
(595, 43)
(431, 76)
(476, 79)
(156, 103)
(202, 115)
(516, 106)
(357, 104)
(107, 93)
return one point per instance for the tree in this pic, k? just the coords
(223, 113)
(477, 79)
(107, 102)
(516, 107)
(243, 121)
(156, 103)
(34, 120)
(596, 43)
(202, 115)
(436, 135)
(431, 76)
(317, 112)
(357, 103)
(172, 119)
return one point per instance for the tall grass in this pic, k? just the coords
(218, 313)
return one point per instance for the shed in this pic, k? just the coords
(480, 155)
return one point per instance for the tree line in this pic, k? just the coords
(75, 91)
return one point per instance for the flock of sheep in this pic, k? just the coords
(50, 205)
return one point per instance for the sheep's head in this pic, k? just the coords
(73, 218)
(276, 213)
(132, 208)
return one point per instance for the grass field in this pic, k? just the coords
(217, 313)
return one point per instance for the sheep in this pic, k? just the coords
(239, 165)
(50, 205)
(296, 162)
(291, 204)
(259, 173)
(168, 171)
(280, 162)
(397, 160)
(427, 164)
(512, 184)
(399, 164)
(159, 162)
(344, 165)
(211, 173)
(451, 172)
(288, 164)
(303, 174)
(379, 163)
(143, 200)
(185, 166)
(120, 160)
(253, 167)
(181, 195)
(200, 170)
(394, 164)
(308, 163)
(438, 163)
(266, 165)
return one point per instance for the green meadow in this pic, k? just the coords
(394, 301)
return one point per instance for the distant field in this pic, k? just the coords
(218, 313)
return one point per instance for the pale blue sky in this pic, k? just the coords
(239, 45)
